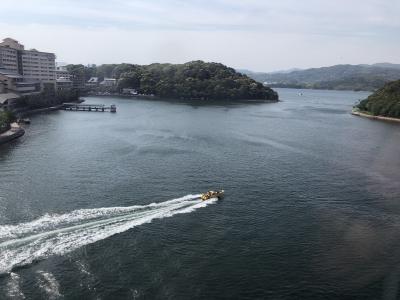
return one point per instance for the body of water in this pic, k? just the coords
(103, 206)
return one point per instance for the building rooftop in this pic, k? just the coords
(93, 80)
(14, 44)
(11, 43)
(8, 96)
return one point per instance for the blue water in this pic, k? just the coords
(311, 209)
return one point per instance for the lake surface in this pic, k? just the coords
(102, 206)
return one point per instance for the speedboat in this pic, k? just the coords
(212, 194)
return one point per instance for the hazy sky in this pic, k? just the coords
(258, 35)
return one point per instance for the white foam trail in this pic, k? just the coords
(48, 221)
(50, 285)
(58, 234)
(13, 287)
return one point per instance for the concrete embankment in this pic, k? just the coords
(15, 132)
(382, 118)
(26, 113)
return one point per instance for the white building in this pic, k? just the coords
(13, 82)
(8, 58)
(109, 82)
(64, 83)
(62, 72)
(34, 66)
(38, 66)
(93, 82)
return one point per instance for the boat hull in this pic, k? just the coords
(212, 195)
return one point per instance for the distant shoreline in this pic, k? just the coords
(158, 98)
(382, 118)
(294, 87)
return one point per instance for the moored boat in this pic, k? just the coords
(24, 121)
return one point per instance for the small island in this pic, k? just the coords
(384, 104)
(195, 80)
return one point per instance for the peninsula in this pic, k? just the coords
(195, 80)
(383, 104)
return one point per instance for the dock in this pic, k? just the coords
(88, 107)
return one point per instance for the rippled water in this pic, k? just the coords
(101, 205)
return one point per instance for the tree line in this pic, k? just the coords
(6, 117)
(192, 80)
(384, 102)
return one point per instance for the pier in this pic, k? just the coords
(89, 107)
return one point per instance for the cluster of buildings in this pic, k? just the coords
(26, 72)
(64, 80)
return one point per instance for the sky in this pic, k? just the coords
(258, 35)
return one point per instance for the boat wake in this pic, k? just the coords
(58, 234)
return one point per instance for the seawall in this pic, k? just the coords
(15, 132)
(38, 111)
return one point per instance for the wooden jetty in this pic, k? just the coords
(89, 107)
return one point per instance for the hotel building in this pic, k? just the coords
(31, 67)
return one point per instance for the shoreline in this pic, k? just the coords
(28, 112)
(38, 111)
(320, 89)
(15, 132)
(381, 118)
(210, 101)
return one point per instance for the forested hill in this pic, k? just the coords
(384, 102)
(192, 80)
(339, 77)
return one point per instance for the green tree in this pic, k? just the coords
(384, 102)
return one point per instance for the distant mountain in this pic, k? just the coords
(249, 72)
(286, 71)
(244, 71)
(384, 102)
(387, 65)
(338, 77)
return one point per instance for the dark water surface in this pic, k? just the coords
(312, 206)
